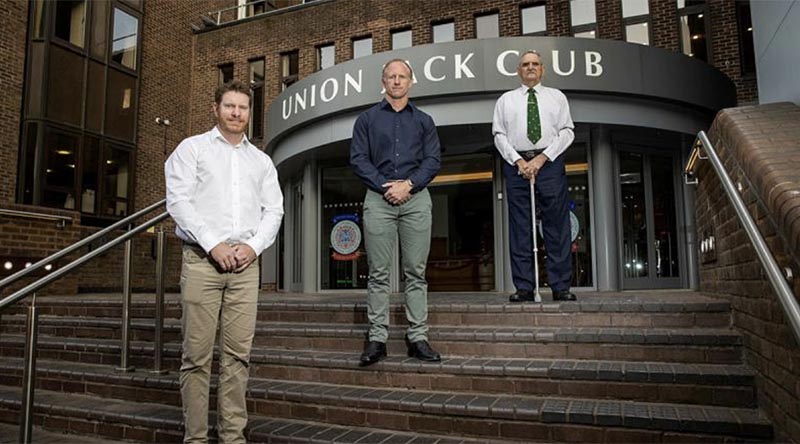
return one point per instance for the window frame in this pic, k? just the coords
(585, 27)
(539, 4)
(690, 10)
(437, 23)
(495, 13)
(289, 79)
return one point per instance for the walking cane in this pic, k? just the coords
(537, 296)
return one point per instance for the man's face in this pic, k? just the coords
(233, 112)
(530, 69)
(397, 80)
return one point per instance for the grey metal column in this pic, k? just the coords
(311, 224)
(692, 260)
(161, 269)
(605, 210)
(126, 307)
(29, 374)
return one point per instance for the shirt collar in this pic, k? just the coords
(385, 104)
(523, 89)
(217, 134)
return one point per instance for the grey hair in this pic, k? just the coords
(530, 51)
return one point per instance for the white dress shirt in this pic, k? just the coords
(218, 192)
(510, 123)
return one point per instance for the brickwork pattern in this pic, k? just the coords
(760, 143)
(13, 15)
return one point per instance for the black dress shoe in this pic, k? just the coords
(564, 295)
(373, 352)
(522, 296)
(423, 351)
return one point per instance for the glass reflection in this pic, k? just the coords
(634, 215)
(123, 46)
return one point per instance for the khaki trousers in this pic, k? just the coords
(209, 296)
(383, 222)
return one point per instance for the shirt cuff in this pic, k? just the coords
(255, 246)
(208, 242)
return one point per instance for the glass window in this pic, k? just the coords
(534, 19)
(692, 24)
(116, 180)
(462, 231)
(61, 151)
(633, 8)
(401, 39)
(487, 26)
(326, 56)
(637, 33)
(89, 174)
(444, 32)
(583, 18)
(126, 30)
(257, 87)
(65, 91)
(99, 30)
(362, 47)
(96, 92)
(635, 17)
(582, 12)
(747, 53)
(70, 21)
(289, 69)
(225, 73)
(343, 256)
(120, 109)
(29, 161)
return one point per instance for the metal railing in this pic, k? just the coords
(32, 321)
(249, 9)
(785, 294)
(61, 221)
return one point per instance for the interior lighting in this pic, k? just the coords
(64, 152)
(8, 265)
(48, 267)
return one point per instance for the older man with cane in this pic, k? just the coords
(532, 129)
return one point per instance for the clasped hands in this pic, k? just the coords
(397, 192)
(233, 258)
(529, 169)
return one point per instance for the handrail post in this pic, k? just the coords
(29, 374)
(161, 267)
(126, 307)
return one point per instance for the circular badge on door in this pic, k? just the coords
(345, 237)
(574, 225)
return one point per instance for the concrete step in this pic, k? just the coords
(149, 422)
(9, 434)
(625, 310)
(722, 385)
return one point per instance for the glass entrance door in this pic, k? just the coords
(651, 251)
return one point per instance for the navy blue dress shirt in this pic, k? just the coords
(395, 145)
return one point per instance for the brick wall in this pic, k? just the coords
(13, 16)
(761, 143)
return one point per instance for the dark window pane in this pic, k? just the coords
(35, 79)
(91, 152)
(99, 29)
(59, 176)
(94, 96)
(257, 115)
(120, 108)
(693, 35)
(747, 51)
(29, 159)
(116, 181)
(289, 69)
(65, 85)
(225, 73)
(126, 30)
(71, 21)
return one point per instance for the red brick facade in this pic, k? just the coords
(769, 160)
(179, 68)
(13, 16)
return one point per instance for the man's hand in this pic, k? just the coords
(224, 256)
(525, 169)
(397, 192)
(537, 163)
(244, 256)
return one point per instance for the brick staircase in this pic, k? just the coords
(658, 367)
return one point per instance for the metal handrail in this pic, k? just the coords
(62, 220)
(30, 288)
(785, 295)
(59, 254)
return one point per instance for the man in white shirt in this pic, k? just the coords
(224, 196)
(532, 128)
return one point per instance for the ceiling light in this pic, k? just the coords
(64, 152)
(48, 267)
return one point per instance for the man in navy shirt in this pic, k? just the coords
(395, 152)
